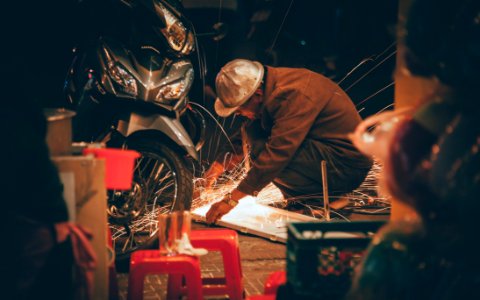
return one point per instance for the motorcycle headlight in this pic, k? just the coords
(126, 81)
(179, 38)
(177, 89)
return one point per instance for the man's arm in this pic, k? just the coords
(229, 158)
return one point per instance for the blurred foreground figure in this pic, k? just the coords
(432, 163)
(36, 261)
(296, 119)
(36, 255)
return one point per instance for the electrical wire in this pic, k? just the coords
(370, 71)
(281, 25)
(376, 93)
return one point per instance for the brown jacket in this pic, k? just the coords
(299, 104)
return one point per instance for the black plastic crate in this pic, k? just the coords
(321, 256)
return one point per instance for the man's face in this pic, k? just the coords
(249, 109)
(245, 112)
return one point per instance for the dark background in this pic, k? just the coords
(329, 37)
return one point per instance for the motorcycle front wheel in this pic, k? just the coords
(162, 183)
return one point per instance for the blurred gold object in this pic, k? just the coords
(59, 130)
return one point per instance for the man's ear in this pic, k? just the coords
(259, 92)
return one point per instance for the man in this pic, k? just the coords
(296, 119)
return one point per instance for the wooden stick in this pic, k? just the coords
(326, 201)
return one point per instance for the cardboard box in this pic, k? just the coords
(85, 193)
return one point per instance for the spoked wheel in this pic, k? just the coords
(162, 183)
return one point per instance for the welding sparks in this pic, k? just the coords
(310, 205)
(251, 214)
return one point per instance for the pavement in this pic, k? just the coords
(259, 258)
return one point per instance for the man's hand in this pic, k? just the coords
(219, 209)
(206, 183)
(62, 231)
(211, 176)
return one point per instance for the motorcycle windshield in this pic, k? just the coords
(149, 58)
(152, 76)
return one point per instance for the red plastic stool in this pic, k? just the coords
(261, 297)
(144, 262)
(225, 241)
(274, 280)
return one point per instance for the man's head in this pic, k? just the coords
(237, 82)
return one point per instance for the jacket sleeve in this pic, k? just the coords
(230, 148)
(293, 114)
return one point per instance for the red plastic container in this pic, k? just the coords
(119, 165)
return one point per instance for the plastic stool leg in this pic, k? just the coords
(135, 283)
(145, 262)
(194, 283)
(273, 281)
(225, 241)
(175, 286)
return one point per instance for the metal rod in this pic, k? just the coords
(326, 201)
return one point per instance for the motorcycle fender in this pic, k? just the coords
(169, 126)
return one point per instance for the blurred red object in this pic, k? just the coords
(119, 166)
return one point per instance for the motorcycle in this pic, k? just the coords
(130, 87)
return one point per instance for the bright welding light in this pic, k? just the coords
(250, 214)
(245, 202)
